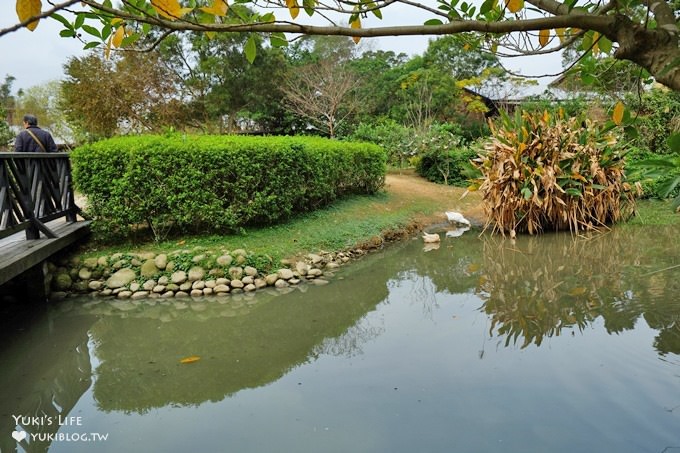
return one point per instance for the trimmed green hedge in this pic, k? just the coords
(218, 183)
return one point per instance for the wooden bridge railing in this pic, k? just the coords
(35, 188)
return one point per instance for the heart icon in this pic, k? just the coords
(19, 435)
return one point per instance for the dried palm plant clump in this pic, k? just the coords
(545, 172)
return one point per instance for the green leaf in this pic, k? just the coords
(251, 49)
(588, 79)
(91, 45)
(130, 39)
(631, 132)
(587, 41)
(573, 192)
(486, 6)
(269, 17)
(89, 29)
(63, 20)
(278, 40)
(80, 20)
(526, 192)
(666, 188)
(67, 34)
(433, 22)
(675, 204)
(605, 44)
(674, 142)
(106, 31)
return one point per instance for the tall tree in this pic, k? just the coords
(44, 102)
(324, 93)
(645, 32)
(237, 94)
(457, 55)
(380, 72)
(6, 111)
(103, 97)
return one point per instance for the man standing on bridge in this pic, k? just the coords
(33, 139)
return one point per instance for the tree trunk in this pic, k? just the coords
(655, 50)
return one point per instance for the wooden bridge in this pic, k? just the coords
(38, 214)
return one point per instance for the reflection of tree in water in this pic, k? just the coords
(537, 287)
(242, 342)
(350, 343)
(45, 371)
(422, 292)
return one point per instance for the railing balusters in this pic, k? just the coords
(34, 188)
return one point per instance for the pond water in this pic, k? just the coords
(550, 344)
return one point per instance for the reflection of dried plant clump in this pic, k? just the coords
(550, 173)
(540, 287)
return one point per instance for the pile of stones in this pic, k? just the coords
(185, 273)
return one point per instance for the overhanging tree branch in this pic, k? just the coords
(58, 7)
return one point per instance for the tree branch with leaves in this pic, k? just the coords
(642, 31)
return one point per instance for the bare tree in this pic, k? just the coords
(324, 93)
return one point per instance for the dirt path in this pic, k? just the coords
(408, 187)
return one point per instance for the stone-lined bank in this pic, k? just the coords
(186, 273)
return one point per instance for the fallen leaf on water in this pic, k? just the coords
(190, 359)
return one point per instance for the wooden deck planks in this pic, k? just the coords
(17, 254)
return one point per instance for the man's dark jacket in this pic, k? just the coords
(24, 143)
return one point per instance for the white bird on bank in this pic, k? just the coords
(457, 217)
(429, 238)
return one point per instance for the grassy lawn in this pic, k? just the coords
(654, 212)
(340, 226)
(408, 201)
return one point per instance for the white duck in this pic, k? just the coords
(429, 238)
(457, 217)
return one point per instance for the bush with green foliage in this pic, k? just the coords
(655, 173)
(217, 183)
(573, 106)
(443, 155)
(657, 117)
(6, 134)
(396, 140)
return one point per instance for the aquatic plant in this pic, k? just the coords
(547, 172)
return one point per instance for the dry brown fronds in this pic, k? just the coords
(550, 173)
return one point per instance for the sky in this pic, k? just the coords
(37, 57)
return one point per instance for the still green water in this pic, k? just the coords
(550, 344)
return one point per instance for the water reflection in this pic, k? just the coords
(127, 354)
(46, 368)
(532, 290)
(243, 342)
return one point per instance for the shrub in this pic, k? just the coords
(657, 118)
(546, 172)
(393, 137)
(444, 158)
(217, 183)
(655, 177)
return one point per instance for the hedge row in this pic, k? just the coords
(218, 183)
